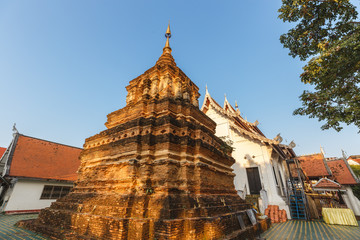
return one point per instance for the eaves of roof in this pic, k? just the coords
(241, 125)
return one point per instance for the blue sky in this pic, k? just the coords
(64, 65)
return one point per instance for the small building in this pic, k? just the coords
(343, 174)
(260, 166)
(35, 172)
(330, 175)
(325, 184)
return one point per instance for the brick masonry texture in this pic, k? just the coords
(157, 172)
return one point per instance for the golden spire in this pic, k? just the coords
(166, 57)
(168, 36)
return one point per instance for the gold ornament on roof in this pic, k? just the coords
(168, 36)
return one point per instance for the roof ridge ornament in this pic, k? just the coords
(237, 109)
(344, 154)
(278, 138)
(322, 150)
(292, 144)
(14, 129)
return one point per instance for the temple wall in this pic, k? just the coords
(353, 202)
(26, 194)
(252, 153)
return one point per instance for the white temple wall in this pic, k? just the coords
(248, 153)
(352, 202)
(25, 195)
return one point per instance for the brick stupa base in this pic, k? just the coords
(157, 172)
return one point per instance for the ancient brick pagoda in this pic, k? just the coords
(157, 172)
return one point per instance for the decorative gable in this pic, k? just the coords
(326, 183)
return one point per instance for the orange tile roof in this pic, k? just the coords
(2, 150)
(293, 170)
(341, 171)
(314, 165)
(37, 158)
(327, 183)
(355, 158)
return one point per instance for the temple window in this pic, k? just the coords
(54, 191)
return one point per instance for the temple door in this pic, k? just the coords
(254, 180)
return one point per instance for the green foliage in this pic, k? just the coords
(356, 189)
(356, 170)
(326, 31)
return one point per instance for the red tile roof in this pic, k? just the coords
(341, 171)
(2, 150)
(327, 183)
(314, 165)
(38, 158)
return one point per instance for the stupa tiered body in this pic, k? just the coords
(157, 172)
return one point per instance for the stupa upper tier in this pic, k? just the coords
(164, 80)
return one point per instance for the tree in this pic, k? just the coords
(328, 37)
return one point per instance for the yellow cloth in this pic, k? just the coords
(341, 216)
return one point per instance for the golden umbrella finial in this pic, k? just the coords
(168, 36)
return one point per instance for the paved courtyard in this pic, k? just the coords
(9, 231)
(314, 230)
(311, 230)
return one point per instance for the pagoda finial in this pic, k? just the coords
(236, 105)
(166, 57)
(168, 36)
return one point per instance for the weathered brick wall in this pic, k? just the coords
(157, 172)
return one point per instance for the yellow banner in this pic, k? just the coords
(341, 216)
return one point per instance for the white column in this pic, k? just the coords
(347, 201)
(353, 201)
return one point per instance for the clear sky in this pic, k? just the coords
(64, 65)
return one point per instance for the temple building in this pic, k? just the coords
(34, 173)
(260, 165)
(328, 175)
(157, 172)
